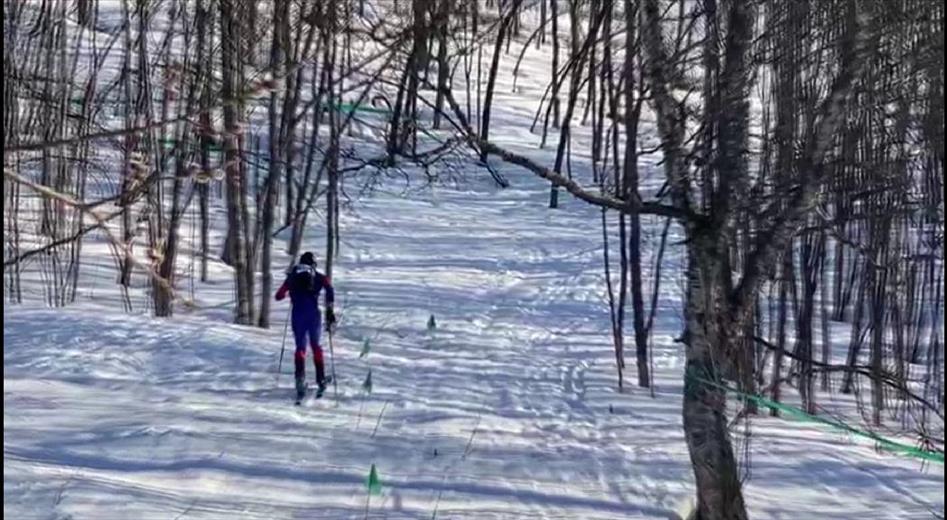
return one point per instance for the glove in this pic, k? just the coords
(330, 318)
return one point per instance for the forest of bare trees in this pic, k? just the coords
(800, 152)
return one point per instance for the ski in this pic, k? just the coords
(320, 391)
(301, 394)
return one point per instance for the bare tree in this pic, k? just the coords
(230, 29)
(505, 22)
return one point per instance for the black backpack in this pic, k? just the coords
(302, 279)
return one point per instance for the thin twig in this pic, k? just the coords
(101, 220)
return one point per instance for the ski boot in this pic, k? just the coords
(300, 389)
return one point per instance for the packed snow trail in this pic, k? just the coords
(508, 409)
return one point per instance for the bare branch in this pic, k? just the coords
(856, 44)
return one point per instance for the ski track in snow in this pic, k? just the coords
(116, 416)
(511, 390)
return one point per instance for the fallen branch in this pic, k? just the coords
(60, 242)
(631, 206)
(101, 221)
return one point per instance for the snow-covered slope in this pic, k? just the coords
(508, 409)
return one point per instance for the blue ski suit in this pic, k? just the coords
(306, 319)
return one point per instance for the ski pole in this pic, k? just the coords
(279, 370)
(335, 384)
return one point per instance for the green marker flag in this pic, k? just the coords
(367, 385)
(431, 324)
(374, 485)
(366, 348)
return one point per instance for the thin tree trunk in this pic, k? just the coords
(230, 38)
(781, 320)
(554, 100)
(277, 149)
(492, 78)
(443, 66)
(332, 193)
(630, 190)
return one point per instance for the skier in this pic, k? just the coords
(303, 283)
